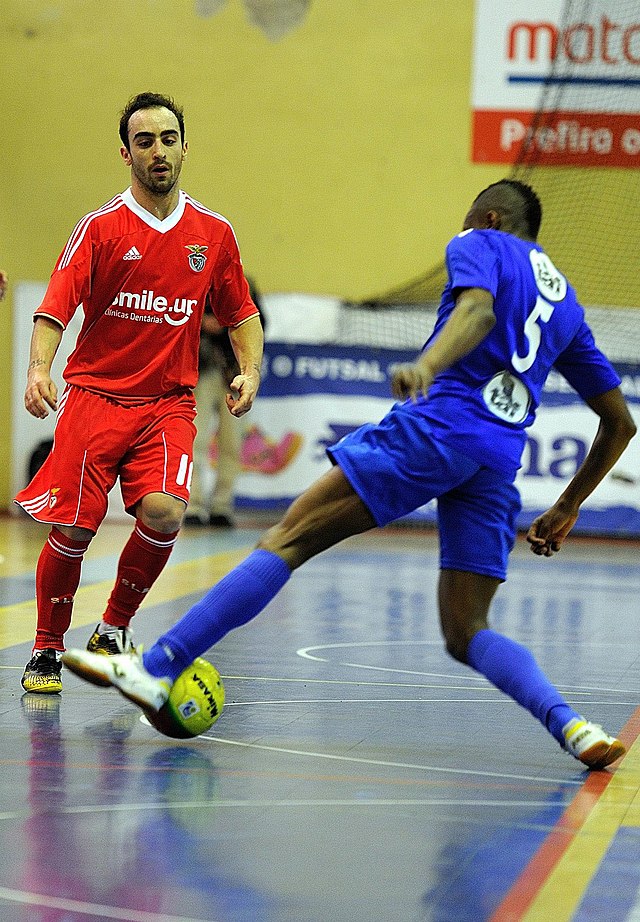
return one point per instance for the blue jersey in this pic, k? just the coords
(483, 403)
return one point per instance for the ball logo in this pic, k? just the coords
(189, 708)
(197, 259)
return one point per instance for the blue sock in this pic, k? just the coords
(236, 599)
(513, 669)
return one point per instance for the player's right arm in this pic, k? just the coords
(470, 322)
(41, 390)
(69, 286)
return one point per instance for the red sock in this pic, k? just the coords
(57, 578)
(141, 563)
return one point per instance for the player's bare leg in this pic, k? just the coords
(326, 513)
(464, 600)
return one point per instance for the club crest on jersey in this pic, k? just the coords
(197, 259)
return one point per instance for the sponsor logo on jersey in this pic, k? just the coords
(149, 306)
(551, 283)
(197, 259)
(507, 397)
(133, 253)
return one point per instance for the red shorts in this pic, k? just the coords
(148, 446)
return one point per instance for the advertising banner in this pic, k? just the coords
(309, 398)
(589, 65)
(312, 396)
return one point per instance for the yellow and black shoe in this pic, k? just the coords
(42, 674)
(112, 642)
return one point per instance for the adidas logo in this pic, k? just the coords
(133, 253)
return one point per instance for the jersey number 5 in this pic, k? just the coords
(541, 313)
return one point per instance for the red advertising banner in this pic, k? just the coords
(558, 138)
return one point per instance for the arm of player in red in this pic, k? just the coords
(41, 391)
(247, 341)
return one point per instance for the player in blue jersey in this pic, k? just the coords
(507, 316)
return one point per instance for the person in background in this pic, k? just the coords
(507, 316)
(4, 282)
(142, 266)
(217, 369)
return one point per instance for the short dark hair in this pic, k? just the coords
(149, 101)
(532, 210)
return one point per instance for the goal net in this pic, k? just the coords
(590, 226)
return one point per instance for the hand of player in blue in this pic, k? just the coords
(548, 532)
(412, 380)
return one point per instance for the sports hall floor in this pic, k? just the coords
(357, 774)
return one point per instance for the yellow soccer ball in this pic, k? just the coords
(194, 704)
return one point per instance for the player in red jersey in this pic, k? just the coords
(142, 267)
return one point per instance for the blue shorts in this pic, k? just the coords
(397, 466)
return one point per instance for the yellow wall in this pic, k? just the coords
(340, 152)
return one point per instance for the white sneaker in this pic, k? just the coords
(124, 671)
(590, 744)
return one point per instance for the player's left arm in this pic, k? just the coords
(471, 320)
(616, 429)
(247, 341)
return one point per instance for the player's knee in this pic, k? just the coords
(457, 638)
(457, 648)
(75, 533)
(162, 513)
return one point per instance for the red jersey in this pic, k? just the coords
(143, 284)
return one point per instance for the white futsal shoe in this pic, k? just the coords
(590, 744)
(124, 671)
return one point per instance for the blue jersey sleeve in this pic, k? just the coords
(472, 262)
(585, 367)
